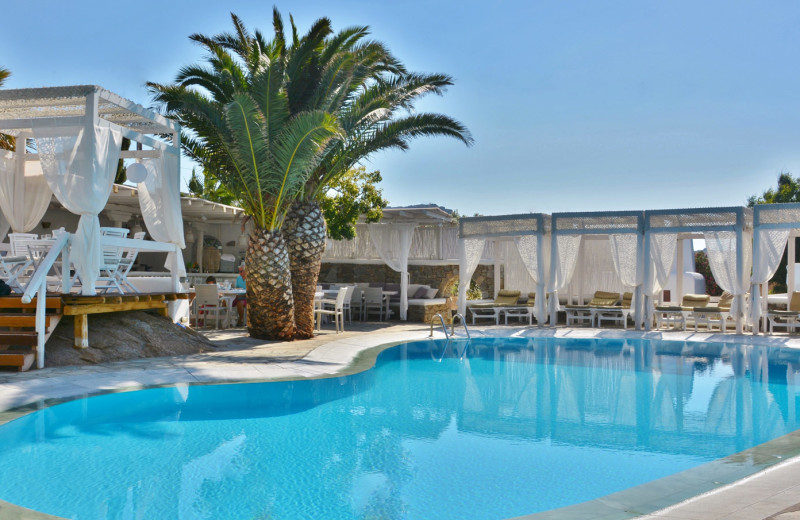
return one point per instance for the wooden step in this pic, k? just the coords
(22, 320)
(15, 302)
(18, 338)
(22, 359)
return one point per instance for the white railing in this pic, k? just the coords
(37, 284)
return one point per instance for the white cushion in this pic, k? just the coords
(431, 293)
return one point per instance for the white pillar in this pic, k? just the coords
(790, 283)
(739, 271)
(679, 273)
(648, 268)
(499, 260)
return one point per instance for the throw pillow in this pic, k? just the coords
(421, 293)
(431, 293)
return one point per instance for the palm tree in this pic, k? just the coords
(6, 141)
(372, 95)
(262, 152)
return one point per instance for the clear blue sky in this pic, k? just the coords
(574, 106)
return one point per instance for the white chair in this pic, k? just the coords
(20, 246)
(207, 303)
(126, 263)
(373, 302)
(11, 269)
(353, 303)
(337, 311)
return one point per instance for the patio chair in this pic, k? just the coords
(617, 313)
(788, 318)
(505, 298)
(12, 268)
(207, 303)
(714, 315)
(675, 314)
(337, 310)
(581, 313)
(126, 263)
(20, 246)
(353, 303)
(373, 302)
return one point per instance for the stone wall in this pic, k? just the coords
(440, 276)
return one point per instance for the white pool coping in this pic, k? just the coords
(757, 496)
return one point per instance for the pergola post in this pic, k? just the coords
(739, 270)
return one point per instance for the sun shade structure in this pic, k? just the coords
(404, 232)
(728, 235)
(624, 231)
(773, 225)
(531, 245)
(77, 133)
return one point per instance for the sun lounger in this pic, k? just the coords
(616, 313)
(505, 298)
(521, 311)
(788, 318)
(675, 314)
(714, 315)
(580, 313)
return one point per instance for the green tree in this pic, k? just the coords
(353, 194)
(788, 190)
(210, 188)
(262, 152)
(373, 97)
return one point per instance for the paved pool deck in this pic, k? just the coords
(772, 494)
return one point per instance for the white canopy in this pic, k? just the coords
(527, 232)
(78, 132)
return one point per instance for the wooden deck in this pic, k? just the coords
(18, 335)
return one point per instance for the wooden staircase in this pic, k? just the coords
(18, 329)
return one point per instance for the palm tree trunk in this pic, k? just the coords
(304, 231)
(270, 305)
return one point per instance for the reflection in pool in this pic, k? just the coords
(512, 427)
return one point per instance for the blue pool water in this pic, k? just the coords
(513, 427)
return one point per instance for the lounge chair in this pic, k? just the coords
(616, 313)
(491, 310)
(521, 311)
(714, 315)
(788, 318)
(674, 314)
(580, 313)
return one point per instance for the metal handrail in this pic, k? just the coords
(453, 324)
(441, 319)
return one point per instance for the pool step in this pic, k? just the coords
(18, 337)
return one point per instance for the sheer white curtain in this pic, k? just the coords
(721, 249)
(24, 193)
(536, 262)
(393, 243)
(79, 165)
(771, 243)
(662, 255)
(766, 259)
(562, 268)
(470, 251)
(625, 254)
(160, 202)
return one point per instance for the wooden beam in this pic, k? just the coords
(81, 331)
(98, 308)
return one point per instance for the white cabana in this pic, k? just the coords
(623, 233)
(531, 246)
(729, 247)
(773, 225)
(76, 132)
(404, 235)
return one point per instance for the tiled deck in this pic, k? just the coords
(773, 493)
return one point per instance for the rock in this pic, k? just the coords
(121, 336)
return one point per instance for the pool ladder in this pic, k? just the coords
(452, 325)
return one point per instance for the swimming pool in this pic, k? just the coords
(512, 427)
